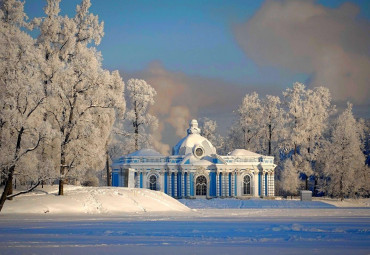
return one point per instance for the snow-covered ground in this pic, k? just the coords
(108, 221)
(91, 200)
(186, 235)
(362, 202)
(231, 203)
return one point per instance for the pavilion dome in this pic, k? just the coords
(194, 143)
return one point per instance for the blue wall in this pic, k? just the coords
(191, 185)
(115, 179)
(265, 184)
(173, 184)
(179, 186)
(259, 184)
(141, 180)
(212, 189)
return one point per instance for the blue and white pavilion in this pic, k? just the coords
(196, 170)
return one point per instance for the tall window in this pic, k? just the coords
(247, 185)
(201, 186)
(153, 182)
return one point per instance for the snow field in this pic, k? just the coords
(110, 220)
(92, 200)
(335, 235)
(231, 203)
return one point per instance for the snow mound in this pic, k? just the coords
(92, 200)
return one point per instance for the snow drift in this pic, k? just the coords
(92, 200)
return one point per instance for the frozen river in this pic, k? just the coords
(243, 231)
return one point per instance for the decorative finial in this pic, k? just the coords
(193, 127)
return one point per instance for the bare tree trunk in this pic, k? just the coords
(245, 139)
(9, 181)
(61, 187)
(136, 126)
(8, 185)
(341, 188)
(136, 137)
(10, 192)
(270, 135)
(62, 173)
(295, 149)
(306, 188)
(315, 186)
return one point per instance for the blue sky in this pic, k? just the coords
(194, 37)
(213, 46)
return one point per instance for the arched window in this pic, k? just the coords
(247, 185)
(201, 186)
(153, 182)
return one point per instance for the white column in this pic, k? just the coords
(188, 185)
(145, 184)
(269, 185)
(255, 184)
(222, 185)
(232, 184)
(183, 184)
(227, 184)
(170, 183)
(272, 184)
(267, 181)
(161, 178)
(175, 188)
(263, 184)
(137, 180)
(217, 184)
(238, 184)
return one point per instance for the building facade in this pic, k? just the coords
(196, 170)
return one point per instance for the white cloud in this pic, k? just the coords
(333, 45)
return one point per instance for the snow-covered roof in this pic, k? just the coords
(193, 140)
(144, 153)
(242, 152)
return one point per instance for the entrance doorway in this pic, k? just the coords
(153, 182)
(201, 186)
(247, 185)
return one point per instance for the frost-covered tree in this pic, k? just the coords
(272, 124)
(307, 118)
(140, 97)
(115, 146)
(290, 181)
(208, 130)
(82, 95)
(249, 122)
(21, 94)
(295, 100)
(259, 125)
(344, 161)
